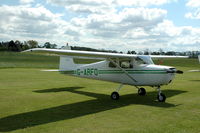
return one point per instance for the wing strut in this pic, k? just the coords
(125, 72)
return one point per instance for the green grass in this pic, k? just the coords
(27, 60)
(32, 101)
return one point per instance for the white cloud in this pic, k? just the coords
(193, 15)
(84, 6)
(113, 25)
(103, 25)
(142, 3)
(110, 2)
(22, 23)
(193, 3)
(26, 1)
(104, 6)
(194, 12)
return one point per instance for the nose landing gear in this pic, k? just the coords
(160, 97)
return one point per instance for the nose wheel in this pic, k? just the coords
(160, 97)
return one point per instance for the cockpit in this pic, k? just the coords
(132, 62)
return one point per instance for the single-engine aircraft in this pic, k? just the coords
(135, 70)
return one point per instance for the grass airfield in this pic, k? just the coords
(37, 102)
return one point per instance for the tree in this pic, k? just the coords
(170, 53)
(11, 46)
(129, 52)
(133, 52)
(32, 44)
(146, 52)
(25, 46)
(49, 45)
(161, 52)
(18, 45)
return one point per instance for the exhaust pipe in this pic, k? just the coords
(173, 70)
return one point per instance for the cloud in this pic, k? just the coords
(84, 6)
(116, 24)
(193, 15)
(142, 3)
(194, 12)
(193, 3)
(104, 6)
(96, 25)
(26, 1)
(24, 22)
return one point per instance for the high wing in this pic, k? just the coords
(95, 54)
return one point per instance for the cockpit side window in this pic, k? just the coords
(126, 64)
(121, 63)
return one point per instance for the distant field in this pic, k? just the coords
(27, 60)
(32, 101)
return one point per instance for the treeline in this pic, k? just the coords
(18, 46)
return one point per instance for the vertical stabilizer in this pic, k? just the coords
(67, 63)
(199, 58)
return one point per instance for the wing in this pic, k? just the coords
(81, 53)
(95, 54)
(166, 56)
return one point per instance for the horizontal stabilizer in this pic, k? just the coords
(53, 70)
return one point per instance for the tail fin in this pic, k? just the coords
(199, 58)
(67, 63)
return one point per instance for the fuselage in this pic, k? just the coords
(137, 75)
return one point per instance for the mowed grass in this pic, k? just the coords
(36, 102)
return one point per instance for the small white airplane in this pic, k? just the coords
(135, 70)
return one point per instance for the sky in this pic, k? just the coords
(122, 25)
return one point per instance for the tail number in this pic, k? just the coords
(88, 71)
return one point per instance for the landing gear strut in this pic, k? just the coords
(161, 97)
(115, 94)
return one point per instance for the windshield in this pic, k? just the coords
(144, 60)
(140, 61)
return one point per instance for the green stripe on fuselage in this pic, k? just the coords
(116, 72)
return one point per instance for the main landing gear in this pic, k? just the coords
(141, 91)
(115, 94)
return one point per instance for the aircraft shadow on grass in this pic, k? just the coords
(69, 111)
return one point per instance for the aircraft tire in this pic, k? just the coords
(141, 91)
(115, 95)
(161, 97)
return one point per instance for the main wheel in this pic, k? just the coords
(115, 95)
(161, 97)
(141, 91)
